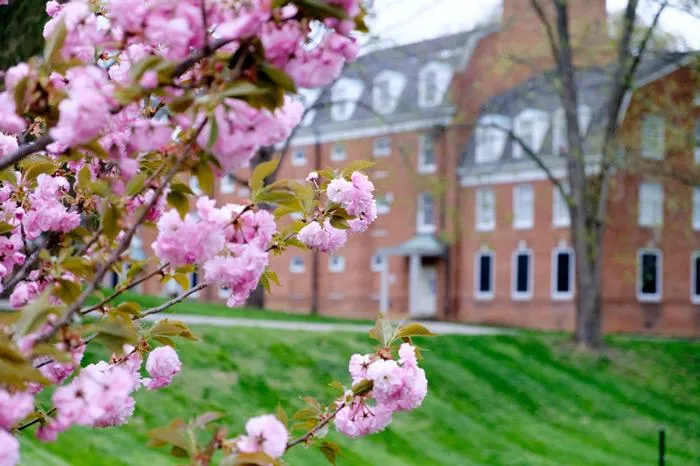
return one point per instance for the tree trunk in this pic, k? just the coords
(256, 300)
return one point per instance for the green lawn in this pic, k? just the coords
(501, 400)
(220, 310)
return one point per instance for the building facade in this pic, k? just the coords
(470, 228)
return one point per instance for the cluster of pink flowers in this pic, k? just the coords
(356, 197)
(265, 434)
(101, 395)
(230, 243)
(47, 212)
(396, 386)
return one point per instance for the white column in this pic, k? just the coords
(413, 283)
(384, 287)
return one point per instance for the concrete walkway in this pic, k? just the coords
(440, 328)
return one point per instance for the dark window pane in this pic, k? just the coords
(522, 284)
(649, 272)
(696, 284)
(485, 274)
(563, 272)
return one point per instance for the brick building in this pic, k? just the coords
(470, 228)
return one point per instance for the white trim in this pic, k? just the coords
(520, 223)
(381, 151)
(559, 202)
(336, 263)
(516, 295)
(694, 298)
(299, 161)
(485, 198)
(478, 294)
(424, 168)
(296, 268)
(378, 267)
(656, 297)
(694, 209)
(515, 173)
(557, 295)
(334, 153)
(371, 131)
(646, 217)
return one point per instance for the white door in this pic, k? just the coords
(427, 291)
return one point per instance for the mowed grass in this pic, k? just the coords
(497, 400)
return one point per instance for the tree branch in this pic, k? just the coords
(307, 436)
(172, 302)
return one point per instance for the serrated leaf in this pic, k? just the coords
(171, 328)
(413, 330)
(136, 184)
(129, 307)
(243, 89)
(362, 387)
(331, 451)
(280, 78)
(110, 221)
(383, 331)
(281, 414)
(180, 202)
(261, 172)
(67, 290)
(340, 223)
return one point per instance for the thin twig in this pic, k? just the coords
(305, 438)
(35, 421)
(172, 302)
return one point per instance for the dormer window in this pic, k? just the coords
(386, 91)
(344, 96)
(530, 127)
(433, 81)
(339, 152)
(491, 135)
(309, 97)
(560, 138)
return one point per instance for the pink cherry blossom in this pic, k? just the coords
(188, 241)
(8, 144)
(9, 449)
(358, 419)
(14, 408)
(239, 273)
(162, 365)
(266, 434)
(358, 367)
(10, 122)
(324, 238)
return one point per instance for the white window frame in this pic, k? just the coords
(374, 266)
(695, 209)
(336, 263)
(648, 297)
(561, 216)
(338, 155)
(423, 167)
(423, 227)
(381, 151)
(484, 200)
(646, 140)
(650, 192)
(520, 295)
(520, 223)
(228, 184)
(694, 298)
(299, 157)
(384, 202)
(478, 294)
(296, 268)
(568, 295)
(560, 138)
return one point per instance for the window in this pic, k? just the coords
(228, 184)
(381, 94)
(299, 158)
(695, 277)
(339, 152)
(296, 265)
(381, 147)
(530, 126)
(525, 130)
(384, 202)
(560, 138)
(387, 88)
(561, 217)
(136, 251)
(651, 205)
(430, 91)
(378, 263)
(336, 264)
(344, 96)
(490, 136)
(563, 274)
(697, 141)
(696, 209)
(433, 81)
(426, 154)
(649, 275)
(426, 213)
(653, 135)
(484, 275)
(521, 286)
(485, 209)
(523, 207)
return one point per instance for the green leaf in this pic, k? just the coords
(413, 330)
(322, 9)
(242, 89)
(38, 167)
(33, 315)
(79, 266)
(54, 44)
(19, 94)
(129, 307)
(340, 223)
(6, 227)
(383, 331)
(136, 184)
(180, 202)
(261, 172)
(182, 280)
(357, 166)
(114, 331)
(206, 178)
(362, 387)
(174, 435)
(67, 290)
(330, 450)
(171, 328)
(139, 68)
(280, 78)
(213, 133)
(110, 221)
(281, 414)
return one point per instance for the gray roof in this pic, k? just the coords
(540, 92)
(407, 60)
